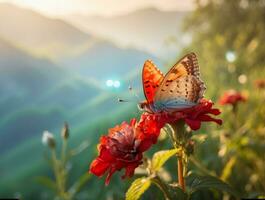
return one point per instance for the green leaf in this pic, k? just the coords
(196, 182)
(138, 187)
(170, 192)
(178, 193)
(161, 157)
(46, 181)
(227, 170)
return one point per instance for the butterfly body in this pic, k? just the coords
(166, 106)
(179, 89)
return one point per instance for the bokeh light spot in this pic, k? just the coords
(242, 79)
(230, 56)
(116, 84)
(109, 83)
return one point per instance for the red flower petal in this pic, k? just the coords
(99, 167)
(192, 116)
(130, 170)
(111, 171)
(145, 145)
(106, 155)
(193, 124)
(123, 147)
(207, 118)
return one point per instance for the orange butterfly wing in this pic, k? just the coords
(187, 65)
(183, 80)
(151, 78)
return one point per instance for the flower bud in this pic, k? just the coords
(48, 139)
(65, 131)
(190, 147)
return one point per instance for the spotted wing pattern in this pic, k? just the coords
(151, 78)
(182, 86)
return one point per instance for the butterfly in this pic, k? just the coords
(179, 89)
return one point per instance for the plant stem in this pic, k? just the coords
(56, 170)
(179, 133)
(59, 172)
(235, 120)
(64, 148)
(162, 187)
(181, 180)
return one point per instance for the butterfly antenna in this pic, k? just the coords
(122, 100)
(136, 112)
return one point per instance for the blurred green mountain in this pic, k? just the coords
(103, 60)
(24, 77)
(24, 107)
(37, 94)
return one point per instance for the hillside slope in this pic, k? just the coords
(38, 32)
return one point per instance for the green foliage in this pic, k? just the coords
(196, 182)
(161, 157)
(178, 193)
(227, 26)
(217, 28)
(138, 187)
(170, 192)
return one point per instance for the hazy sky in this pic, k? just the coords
(99, 7)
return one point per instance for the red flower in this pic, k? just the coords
(192, 116)
(231, 97)
(123, 147)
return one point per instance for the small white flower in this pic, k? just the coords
(48, 139)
